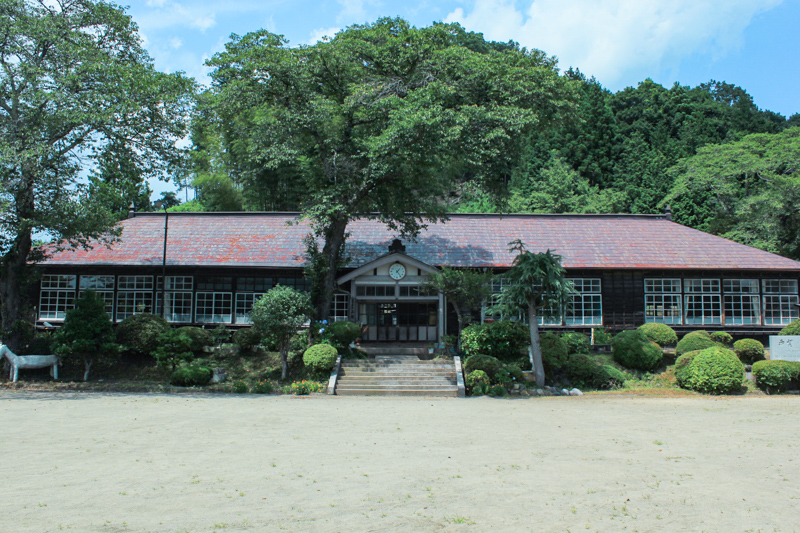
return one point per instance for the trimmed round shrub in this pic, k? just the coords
(554, 352)
(584, 371)
(682, 367)
(498, 391)
(696, 340)
(617, 377)
(342, 334)
(793, 328)
(776, 376)
(715, 370)
(632, 349)
(478, 382)
(576, 342)
(721, 337)
(139, 333)
(661, 334)
(487, 363)
(199, 337)
(320, 357)
(749, 351)
(247, 339)
(191, 375)
(503, 339)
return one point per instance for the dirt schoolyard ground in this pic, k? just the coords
(90, 462)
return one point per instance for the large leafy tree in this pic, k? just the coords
(377, 122)
(76, 86)
(538, 287)
(465, 289)
(747, 191)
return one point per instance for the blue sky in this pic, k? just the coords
(751, 43)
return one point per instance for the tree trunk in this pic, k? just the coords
(13, 284)
(536, 346)
(87, 363)
(334, 239)
(460, 320)
(284, 361)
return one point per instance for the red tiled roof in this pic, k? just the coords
(275, 240)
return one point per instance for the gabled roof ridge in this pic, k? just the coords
(137, 214)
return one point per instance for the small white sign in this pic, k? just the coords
(784, 347)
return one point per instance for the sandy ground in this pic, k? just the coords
(90, 462)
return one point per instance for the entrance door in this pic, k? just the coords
(400, 321)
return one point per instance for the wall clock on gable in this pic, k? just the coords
(397, 271)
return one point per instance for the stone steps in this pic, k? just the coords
(397, 375)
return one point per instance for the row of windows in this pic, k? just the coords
(128, 295)
(717, 302)
(586, 308)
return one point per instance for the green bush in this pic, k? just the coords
(173, 350)
(554, 352)
(247, 339)
(514, 372)
(200, 338)
(239, 387)
(721, 337)
(341, 334)
(585, 372)
(696, 340)
(191, 375)
(632, 349)
(40, 344)
(617, 377)
(139, 333)
(682, 368)
(478, 383)
(661, 334)
(263, 387)
(715, 370)
(503, 339)
(487, 363)
(749, 351)
(793, 328)
(320, 357)
(776, 376)
(497, 391)
(221, 335)
(601, 336)
(576, 343)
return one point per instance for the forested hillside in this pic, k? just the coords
(720, 162)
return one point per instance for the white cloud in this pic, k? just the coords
(176, 42)
(318, 34)
(352, 10)
(609, 38)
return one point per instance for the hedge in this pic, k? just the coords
(632, 349)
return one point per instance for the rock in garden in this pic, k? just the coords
(575, 392)
(564, 392)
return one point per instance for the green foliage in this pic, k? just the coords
(304, 387)
(139, 333)
(554, 352)
(247, 338)
(263, 387)
(200, 338)
(342, 333)
(77, 84)
(503, 339)
(478, 383)
(777, 376)
(221, 335)
(174, 349)
(576, 342)
(696, 340)
(487, 363)
(793, 328)
(87, 333)
(682, 371)
(280, 313)
(616, 376)
(722, 338)
(40, 344)
(190, 376)
(749, 350)
(601, 336)
(466, 289)
(714, 370)
(240, 387)
(320, 357)
(661, 334)
(586, 372)
(632, 349)
(498, 391)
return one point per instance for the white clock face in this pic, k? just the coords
(397, 271)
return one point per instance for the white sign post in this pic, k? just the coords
(784, 347)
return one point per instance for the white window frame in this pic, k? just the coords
(588, 295)
(741, 302)
(340, 307)
(218, 303)
(56, 296)
(244, 304)
(703, 296)
(780, 301)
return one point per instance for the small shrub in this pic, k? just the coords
(221, 335)
(682, 368)
(632, 349)
(554, 352)
(576, 343)
(263, 387)
(617, 377)
(722, 338)
(661, 334)
(450, 342)
(503, 339)
(173, 350)
(247, 339)
(40, 344)
(514, 372)
(239, 387)
(793, 328)
(601, 336)
(715, 370)
(297, 344)
(487, 363)
(304, 387)
(696, 340)
(776, 376)
(320, 357)
(190, 376)
(749, 351)
(341, 334)
(200, 338)
(584, 371)
(478, 382)
(139, 333)
(498, 391)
